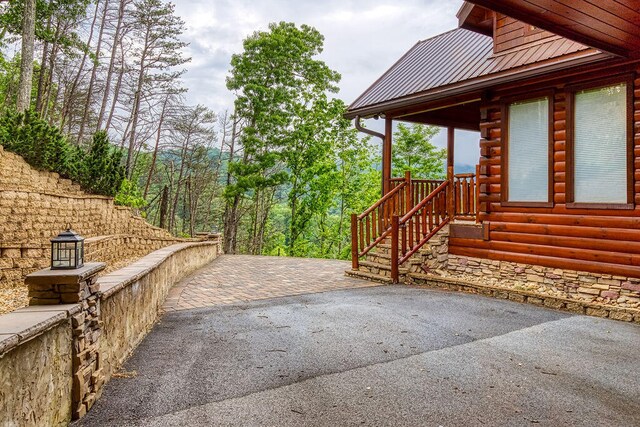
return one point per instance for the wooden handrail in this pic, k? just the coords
(423, 203)
(415, 228)
(386, 197)
(409, 226)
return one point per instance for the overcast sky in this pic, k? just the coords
(362, 40)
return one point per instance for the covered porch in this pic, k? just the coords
(412, 210)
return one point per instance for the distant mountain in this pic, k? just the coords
(460, 168)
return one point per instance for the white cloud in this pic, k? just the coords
(362, 39)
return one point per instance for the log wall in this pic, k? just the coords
(510, 33)
(593, 240)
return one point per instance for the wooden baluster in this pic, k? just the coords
(362, 245)
(417, 229)
(472, 198)
(458, 196)
(410, 233)
(403, 235)
(368, 228)
(374, 224)
(467, 205)
(354, 241)
(430, 211)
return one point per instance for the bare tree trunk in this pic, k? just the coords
(107, 88)
(155, 149)
(183, 154)
(134, 118)
(41, 77)
(116, 94)
(94, 72)
(231, 209)
(52, 64)
(189, 191)
(56, 102)
(164, 205)
(76, 79)
(27, 51)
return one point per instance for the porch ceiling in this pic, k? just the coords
(609, 25)
(464, 116)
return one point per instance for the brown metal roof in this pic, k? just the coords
(454, 58)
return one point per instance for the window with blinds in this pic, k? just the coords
(600, 145)
(528, 151)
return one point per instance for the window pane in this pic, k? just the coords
(529, 151)
(600, 141)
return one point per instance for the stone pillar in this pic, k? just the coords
(48, 287)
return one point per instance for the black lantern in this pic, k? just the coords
(67, 251)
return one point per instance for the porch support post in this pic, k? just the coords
(386, 156)
(450, 155)
(354, 242)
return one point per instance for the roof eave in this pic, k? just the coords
(477, 84)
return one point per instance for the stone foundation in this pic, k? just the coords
(434, 260)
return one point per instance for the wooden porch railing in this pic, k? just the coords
(373, 225)
(416, 209)
(465, 191)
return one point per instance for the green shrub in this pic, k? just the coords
(129, 195)
(101, 170)
(43, 146)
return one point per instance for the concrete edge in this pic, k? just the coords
(31, 325)
(115, 281)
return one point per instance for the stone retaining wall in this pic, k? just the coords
(35, 377)
(38, 343)
(133, 296)
(35, 206)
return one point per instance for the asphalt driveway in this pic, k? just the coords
(390, 355)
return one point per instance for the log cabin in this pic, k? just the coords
(552, 86)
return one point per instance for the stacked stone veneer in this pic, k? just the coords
(434, 259)
(35, 206)
(52, 287)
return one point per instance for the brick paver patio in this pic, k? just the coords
(242, 278)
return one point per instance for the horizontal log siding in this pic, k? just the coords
(593, 240)
(510, 33)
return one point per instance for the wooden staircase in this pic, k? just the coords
(387, 237)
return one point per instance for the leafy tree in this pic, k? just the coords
(280, 93)
(41, 20)
(413, 151)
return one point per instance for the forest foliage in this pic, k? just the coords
(279, 173)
